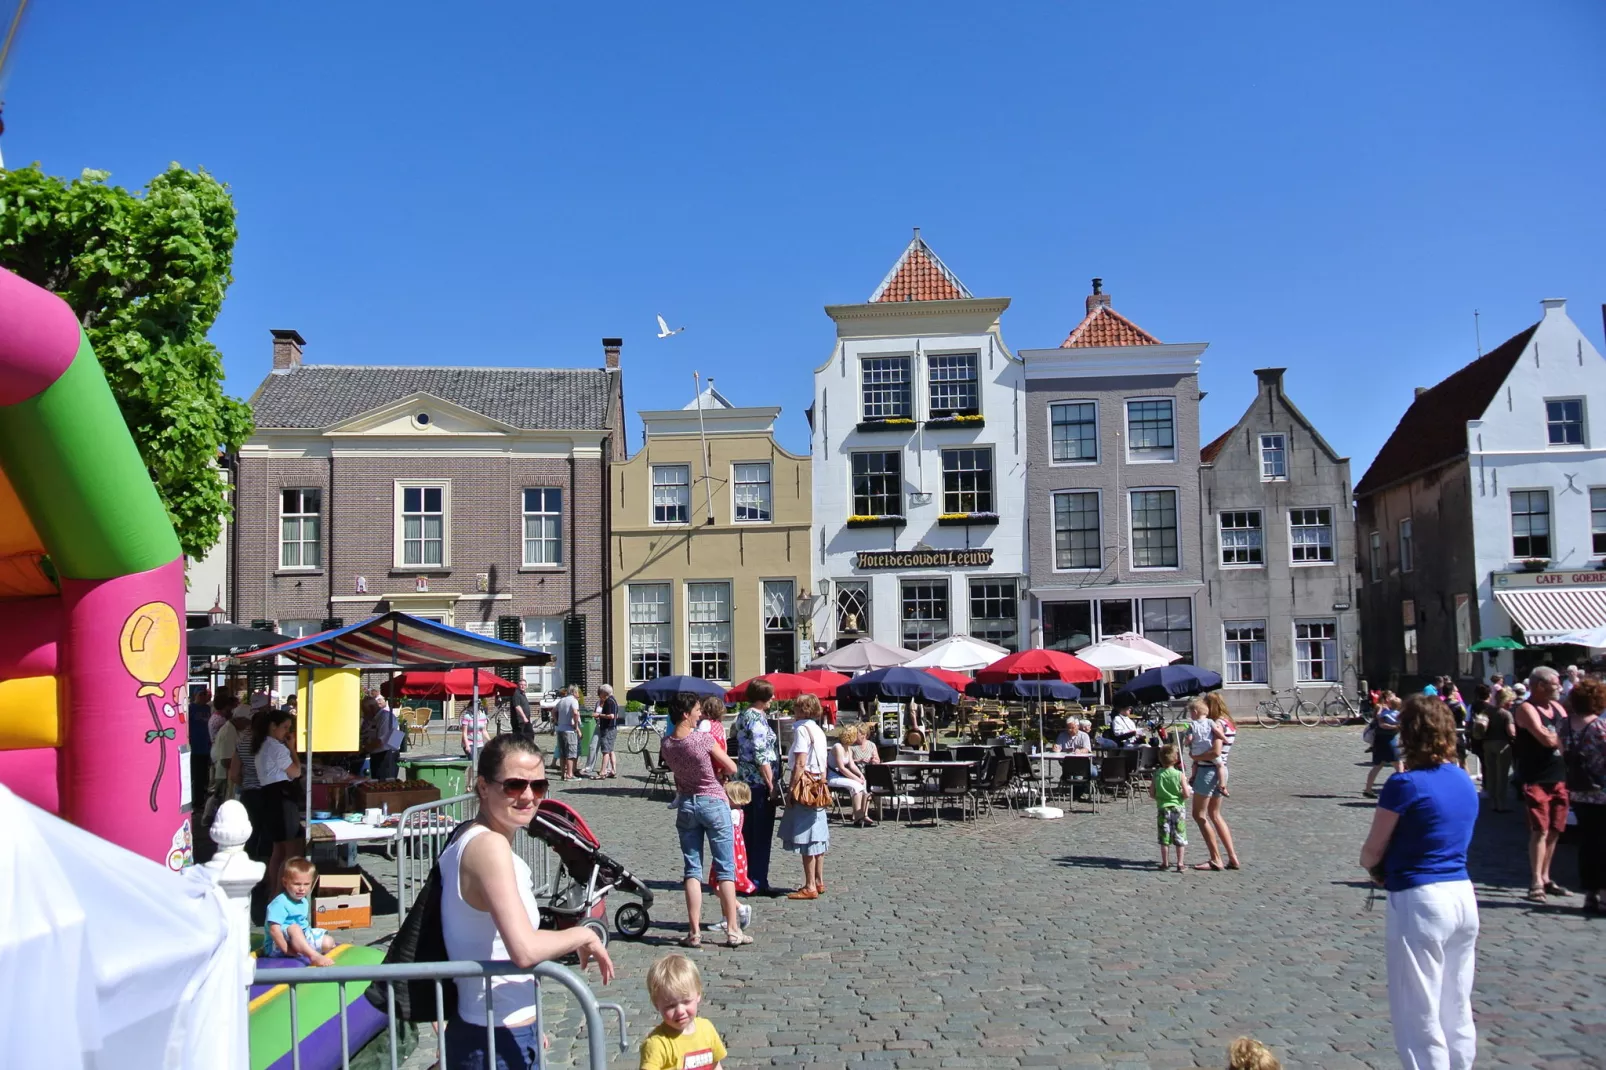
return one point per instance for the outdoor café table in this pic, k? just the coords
(917, 765)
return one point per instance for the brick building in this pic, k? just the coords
(473, 496)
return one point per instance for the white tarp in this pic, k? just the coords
(109, 960)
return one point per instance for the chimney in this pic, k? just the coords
(1098, 298)
(1270, 378)
(287, 350)
(1554, 304)
(610, 353)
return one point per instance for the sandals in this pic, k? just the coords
(1536, 894)
(1164, 867)
(691, 940)
(1552, 888)
(1217, 866)
(1234, 865)
(737, 940)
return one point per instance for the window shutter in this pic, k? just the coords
(574, 650)
(510, 629)
(259, 675)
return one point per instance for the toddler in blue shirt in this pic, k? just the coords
(289, 922)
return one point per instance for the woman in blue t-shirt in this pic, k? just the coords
(1417, 850)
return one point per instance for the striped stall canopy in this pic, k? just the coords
(397, 641)
(1543, 615)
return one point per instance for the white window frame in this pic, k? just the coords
(987, 497)
(665, 645)
(300, 519)
(911, 385)
(1332, 535)
(941, 580)
(652, 494)
(971, 620)
(1597, 523)
(723, 631)
(1132, 540)
(1228, 662)
(1300, 672)
(540, 514)
(1375, 547)
(1281, 449)
(1221, 538)
(1053, 526)
(1098, 443)
(1407, 543)
(399, 549)
(930, 391)
(1583, 424)
(1126, 409)
(738, 483)
(903, 504)
(1550, 523)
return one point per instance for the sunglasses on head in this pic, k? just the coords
(514, 786)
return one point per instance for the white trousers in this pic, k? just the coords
(1432, 945)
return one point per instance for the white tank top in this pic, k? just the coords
(472, 935)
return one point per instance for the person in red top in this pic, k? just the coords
(713, 719)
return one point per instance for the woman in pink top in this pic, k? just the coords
(701, 808)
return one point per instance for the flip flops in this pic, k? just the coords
(1217, 866)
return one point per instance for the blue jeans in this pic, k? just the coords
(518, 1048)
(710, 814)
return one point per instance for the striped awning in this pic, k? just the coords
(1543, 615)
(398, 641)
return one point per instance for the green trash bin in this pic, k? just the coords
(588, 729)
(448, 774)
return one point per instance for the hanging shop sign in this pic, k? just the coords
(924, 559)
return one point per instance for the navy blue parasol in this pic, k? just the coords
(897, 682)
(665, 688)
(1166, 682)
(1032, 689)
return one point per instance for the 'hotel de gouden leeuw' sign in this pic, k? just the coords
(924, 559)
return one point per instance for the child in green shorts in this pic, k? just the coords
(1170, 791)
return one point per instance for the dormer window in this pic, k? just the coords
(1564, 421)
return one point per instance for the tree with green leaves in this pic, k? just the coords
(146, 273)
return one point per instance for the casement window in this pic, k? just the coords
(1169, 622)
(1078, 538)
(967, 481)
(1530, 524)
(1245, 651)
(708, 622)
(751, 493)
(852, 607)
(1316, 651)
(1407, 546)
(884, 388)
(995, 612)
(671, 493)
(1310, 536)
(299, 528)
(1377, 556)
(925, 612)
(1564, 421)
(651, 637)
(953, 384)
(1597, 519)
(1273, 457)
(1242, 539)
(1154, 529)
(1073, 429)
(780, 625)
(878, 483)
(543, 526)
(422, 525)
(1151, 433)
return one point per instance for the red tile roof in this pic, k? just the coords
(1433, 430)
(919, 275)
(1104, 326)
(1208, 454)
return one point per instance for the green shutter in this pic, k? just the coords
(574, 650)
(510, 629)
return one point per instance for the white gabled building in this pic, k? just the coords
(919, 466)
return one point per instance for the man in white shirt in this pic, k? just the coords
(1123, 732)
(566, 715)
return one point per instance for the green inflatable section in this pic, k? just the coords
(77, 471)
(315, 1005)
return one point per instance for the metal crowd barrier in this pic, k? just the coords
(421, 835)
(443, 973)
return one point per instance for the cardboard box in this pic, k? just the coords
(364, 798)
(342, 901)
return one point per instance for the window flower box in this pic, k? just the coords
(896, 423)
(955, 520)
(959, 420)
(889, 520)
(1533, 564)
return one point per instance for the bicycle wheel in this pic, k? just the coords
(638, 740)
(1336, 712)
(1269, 714)
(1307, 714)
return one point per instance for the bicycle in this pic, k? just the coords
(1271, 712)
(1339, 709)
(651, 730)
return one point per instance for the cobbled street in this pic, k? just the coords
(1010, 942)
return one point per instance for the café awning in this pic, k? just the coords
(1544, 614)
(397, 640)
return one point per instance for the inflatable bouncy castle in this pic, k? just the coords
(92, 667)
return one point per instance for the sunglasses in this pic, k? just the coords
(513, 787)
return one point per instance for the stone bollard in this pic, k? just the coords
(231, 869)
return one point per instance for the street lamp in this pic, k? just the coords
(808, 604)
(217, 614)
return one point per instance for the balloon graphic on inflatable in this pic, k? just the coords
(150, 645)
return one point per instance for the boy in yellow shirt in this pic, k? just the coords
(684, 1041)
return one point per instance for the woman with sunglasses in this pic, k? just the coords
(488, 912)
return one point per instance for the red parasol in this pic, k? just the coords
(787, 686)
(421, 683)
(1039, 665)
(956, 680)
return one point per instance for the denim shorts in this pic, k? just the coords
(1206, 780)
(518, 1048)
(710, 814)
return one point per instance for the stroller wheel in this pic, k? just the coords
(631, 920)
(597, 927)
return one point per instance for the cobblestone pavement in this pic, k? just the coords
(1009, 942)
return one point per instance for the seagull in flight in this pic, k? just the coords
(664, 331)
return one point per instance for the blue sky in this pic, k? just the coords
(1330, 188)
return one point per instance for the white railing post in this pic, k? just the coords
(230, 869)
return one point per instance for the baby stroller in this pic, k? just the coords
(579, 892)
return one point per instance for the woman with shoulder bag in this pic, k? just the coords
(805, 828)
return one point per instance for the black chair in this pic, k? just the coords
(1114, 775)
(1076, 776)
(974, 754)
(883, 786)
(888, 751)
(1148, 758)
(943, 756)
(657, 774)
(953, 782)
(998, 786)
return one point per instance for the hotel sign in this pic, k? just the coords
(924, 559)
(1549, 581)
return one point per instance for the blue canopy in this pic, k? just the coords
(897, 682)
(1166, 682)
(665, 688)
(1032, 689)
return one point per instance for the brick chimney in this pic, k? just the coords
(610, 353)
(1098, 298)
(287, 350)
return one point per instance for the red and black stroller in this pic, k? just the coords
(579, 893)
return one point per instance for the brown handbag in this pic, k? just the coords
(809, 789)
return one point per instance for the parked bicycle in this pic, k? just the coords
(1339, 708)
(1274, 711)
(648, 733)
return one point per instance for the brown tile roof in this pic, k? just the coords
(1433, 430)
(919, 275)
(1208, 454)
(1103, 326)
